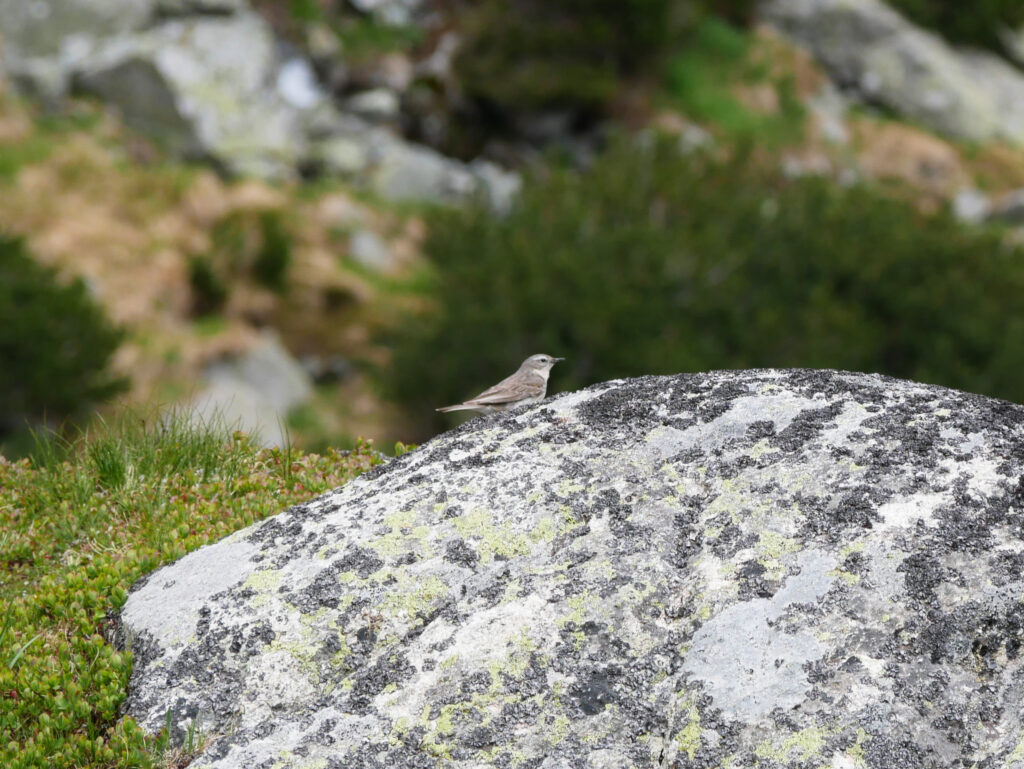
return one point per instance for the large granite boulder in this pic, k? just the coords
(871, 49)
(767, 568)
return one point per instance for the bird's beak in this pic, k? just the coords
(558, 359)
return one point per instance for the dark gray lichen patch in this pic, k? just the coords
(768, 568)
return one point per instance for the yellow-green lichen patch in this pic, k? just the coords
(761, 448)
(557, 728)
(687, 739)
(478, 526)
(1016, 759)
(545, 531)
(288, 760)
(856, 546)
(856, 751)
(403, 536)
(263, 582)
(846, 576)
(412, 598)
(771, 548)
(568, 488)
(512, 592)
(803, 745)
(578, 607)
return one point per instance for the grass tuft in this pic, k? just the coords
(81, 520)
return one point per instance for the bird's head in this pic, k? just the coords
(539, 363)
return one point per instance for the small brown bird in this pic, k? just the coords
(528, 385)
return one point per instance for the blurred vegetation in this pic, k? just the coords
(702, 77)
(245, 244)
(55, 343)
(536, 55)
(80, 523)
(656, 261)
(973, 23)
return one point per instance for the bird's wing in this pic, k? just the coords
(509, 390)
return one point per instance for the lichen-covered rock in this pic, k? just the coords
(44, 39)
(769, 568)
(201, 87)
(869, 48)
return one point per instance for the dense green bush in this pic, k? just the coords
(55, 342)
(658, 262)
(976, 23)
(529, 55)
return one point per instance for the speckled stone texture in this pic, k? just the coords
(735, 569)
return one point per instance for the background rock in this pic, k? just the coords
(207, 79)
(781, 568)
(872, 50)
(254, 392)
(201, 88)
(394, 12)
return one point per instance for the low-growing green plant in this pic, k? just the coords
(55, 343)
(701, 77)
(80, 522)
(655, 261)
(209, 287)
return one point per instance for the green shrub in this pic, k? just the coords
(274, 254)
(80, 523)
(55, 342)
(244, 244)
(975, 23)
(530, 55)
(657, 262)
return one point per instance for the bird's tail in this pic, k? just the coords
(459, 407)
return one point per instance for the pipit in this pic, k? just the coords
(528, 385)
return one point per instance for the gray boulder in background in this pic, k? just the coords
(203, 88)
(253, 392)
(391, 12)
(871, 49)
(767, 568)
(43, 40)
